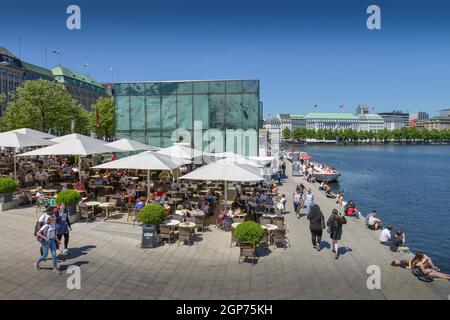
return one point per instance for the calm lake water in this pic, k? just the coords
(409, 186)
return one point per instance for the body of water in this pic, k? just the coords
(408, 186)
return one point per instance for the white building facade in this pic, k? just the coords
(344, 121)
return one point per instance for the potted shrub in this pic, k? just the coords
(7, 187)
(249, 234)
(151, 216)
(70, 198)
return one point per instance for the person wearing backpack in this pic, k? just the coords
(335, 223)
(47, 238)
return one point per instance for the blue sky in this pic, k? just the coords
(304, 52)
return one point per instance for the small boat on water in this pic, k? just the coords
(327, 176)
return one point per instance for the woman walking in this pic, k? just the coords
(316, 225)
(47, 237)
(62, 227)
(335, 223)
(308, 200)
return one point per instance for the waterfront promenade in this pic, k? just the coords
(114, 267)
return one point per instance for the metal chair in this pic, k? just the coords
(86, 212)
(185, 234)
(199, 222)
(166, 232)
(247, 250)
(265, 220)
(279, 236)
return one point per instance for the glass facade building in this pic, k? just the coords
(150, 112)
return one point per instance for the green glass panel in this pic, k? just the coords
(122, 89)
(250, 111)
(166, 139)
(217, 111)
(138, 136)
(123, 113)
(184, 88)
(201, 110)
(184, 111)
(153, 112)
(169, 112)
(136, 89)
(152, 88)
(201, 87)
(168, 88)
(153, 138)
(251, 86)
(234, 86)
(217, 87)
(234, 119)
(137, 112)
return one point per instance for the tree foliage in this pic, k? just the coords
(286, 133)
(44, 105)
(105, 107)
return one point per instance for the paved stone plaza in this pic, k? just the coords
(113, 266)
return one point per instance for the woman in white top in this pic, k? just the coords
(47, 237)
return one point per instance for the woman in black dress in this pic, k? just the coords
(316, 225)
(335, 223)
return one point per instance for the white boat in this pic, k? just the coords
(328, 177)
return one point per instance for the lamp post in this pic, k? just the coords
(58, 52)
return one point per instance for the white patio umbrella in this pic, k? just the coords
(145, 161)
(131, 145)
(19, 140)
(34, 133)
(181, 150)
(75, 147)
(225, 171)
(76, 136)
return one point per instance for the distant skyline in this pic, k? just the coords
(303, 52)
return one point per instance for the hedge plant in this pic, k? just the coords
(249, 231)
(152, 214)
(7, 185)
(69, 197)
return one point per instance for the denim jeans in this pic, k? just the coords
(297, 207)
(46, 247)
(308, 206)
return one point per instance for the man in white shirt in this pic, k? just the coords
(385, 236)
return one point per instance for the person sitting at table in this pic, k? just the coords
(160, 192)
(187, 204)
(263, 197)
(166, 185)
(79, 186)
(83, 175)
(261, 207)
(205, 207)
(29, 179)
(41, 175)
(131, 193)
(275, 188)
(196, 212)
(98, 181)
(40, 196)
(243, 199)
(174, 185)
(183, 188)
(236, 203)
(140, 203)
(64, 187)
(151, 198)
(164, 200)
(210, 196)
(64, 169)
(179, 211)
(124, 179)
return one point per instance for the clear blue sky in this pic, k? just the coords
(304, 52)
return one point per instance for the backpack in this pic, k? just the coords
(37, 226)
(421, 276)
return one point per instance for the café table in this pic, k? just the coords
(176, 200)
(269, 228)
(106, 206)
(171, 223)
(93, 204)
(186, 225)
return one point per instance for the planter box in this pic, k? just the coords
(74, 216)
(149, 236)
(6, 197)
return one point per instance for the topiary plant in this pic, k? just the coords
(69, 197)
(152, 214)
(250, 232)
(7, 185)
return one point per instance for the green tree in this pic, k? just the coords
(106, 115)
(286, 132)
(43, 105)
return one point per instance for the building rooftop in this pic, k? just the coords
(370, 116)
(5, 52)
(36, 69)
(62, 71)
(319, 115)
(297, 116)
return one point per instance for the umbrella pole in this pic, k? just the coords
(226, 196)
(79, 168)
(148, 183)
(15, 169)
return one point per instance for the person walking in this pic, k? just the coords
(283, 168)
(47, 237)
(308, 200)
(297, 199)
(335, 223)
(316, 226)
(62, 227)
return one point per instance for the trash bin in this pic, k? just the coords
(149, 236)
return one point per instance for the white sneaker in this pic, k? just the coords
(65, 251)
(58, 252)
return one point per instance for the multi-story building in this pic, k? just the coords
(285, 120)
(395, 119)
(298, 121)
(435, 123)
(370, 122)
(362, 109)
(12, 75)
(331, 121)
(419, 115)
(273, 126)
(445, 112)
(83, 88)
(150, 112)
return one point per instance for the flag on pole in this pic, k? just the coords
(97, 118)
(341, 107)
(316, 105)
